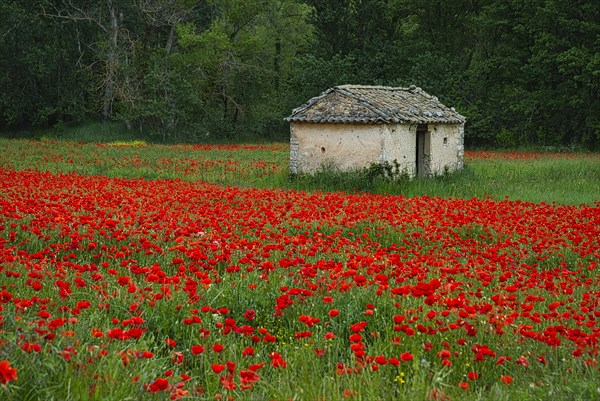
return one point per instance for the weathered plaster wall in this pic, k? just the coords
(399, 143)
(345, 146)
(352, 146)
(447, 149)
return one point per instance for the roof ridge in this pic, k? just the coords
(394, 88)
(366, 102)
(376, 104)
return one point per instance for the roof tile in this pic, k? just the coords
(375, 104)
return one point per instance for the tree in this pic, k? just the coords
(241, 62)
(41, 82)
(157, 96)
(111, 42)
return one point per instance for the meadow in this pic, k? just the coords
(151, 272)
(564, 178)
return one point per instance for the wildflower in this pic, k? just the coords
(217, 368)
(437, 394)
(197, 349)
(249, 314)
(160, 384)
(464, 385)
(7, 373)
(473, 375)
(277, 360)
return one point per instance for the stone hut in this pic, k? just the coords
(353, 126)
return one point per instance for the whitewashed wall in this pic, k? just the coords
(345, 146)
(447, 147)
(353, 146)
(399, 143)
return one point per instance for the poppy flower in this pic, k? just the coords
(249, 314)
(277, 360)
(31, 347)
(178, 358)
(227, 382)
(256, 367)
(197, 349)
(355, 337)
(7, 373)
(160, 384)
(217, 368)
(329, 335)
(231, 366)
(358, 327)
(381, 360)
(464, 385)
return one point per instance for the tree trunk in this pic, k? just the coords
(171, 39)
(111, 62)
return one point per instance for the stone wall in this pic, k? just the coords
(314, 146)
(343, 146)
(294, 144)
(447, 147)
(399, 143)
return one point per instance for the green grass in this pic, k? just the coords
(572, 179)
(567, 181)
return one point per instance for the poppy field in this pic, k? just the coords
(117, 284)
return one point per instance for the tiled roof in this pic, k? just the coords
(375, 104)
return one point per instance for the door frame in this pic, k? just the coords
(423, 151)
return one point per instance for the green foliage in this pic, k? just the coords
(167, 102)
(40, 80)
(386, 170)
(523, 73)
(245, 58)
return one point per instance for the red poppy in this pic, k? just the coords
(249, 314)
(160, 384)
(197, 349)
(7, 373)
(381, 360)
(464, 385)
(277, 360)
(217, 368)
(356, 337)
